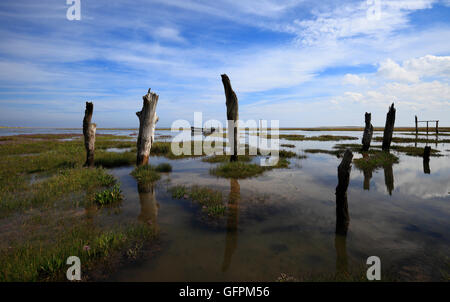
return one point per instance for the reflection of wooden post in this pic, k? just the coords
(389, 128)
(389, 178)
(232, 223)
(149, 204)
(426, 159)
(147, 123)
(342, 217)
(232, 116)
(89, 134)
(368, 132)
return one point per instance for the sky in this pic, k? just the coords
(305, 63)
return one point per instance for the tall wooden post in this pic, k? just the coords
(232, 116)
(147, 123)
(89, 130)
(389, 128)
(368, 132)
(417, 129)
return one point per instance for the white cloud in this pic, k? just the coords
(168, 33)
(392, 71)
(354, 79)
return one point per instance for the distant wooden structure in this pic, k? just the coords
(204, 131)
(429, 121)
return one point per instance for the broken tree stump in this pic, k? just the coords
(389, 128)
(232, 116)
(342, 217)
(368, 132)
(147, 124)
(89, 130)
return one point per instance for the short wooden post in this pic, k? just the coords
(342, 217)
(437, 127)
(417, 129)
(147, 123)
(389, 128)
(89, 130)
(232, 116)
(368, 132)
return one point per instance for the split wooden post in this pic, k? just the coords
(368, 132)
(147, 123)
(389, 128)
(232, 116)
(342, 217)
(89, 130)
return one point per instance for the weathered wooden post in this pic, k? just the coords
(426, 159)
(368, 132)
(89, 130)
(342, 217)
(389, 128)
(147, 123)
(232, 116)
(417, 129)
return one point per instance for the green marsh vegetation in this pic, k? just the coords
(376, 160)
(49, 197)
(211, 201)
(149, 174)
(240, 170)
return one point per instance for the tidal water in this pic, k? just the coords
(285, 220)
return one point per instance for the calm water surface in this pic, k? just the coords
(285, 220)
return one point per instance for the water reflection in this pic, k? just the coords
(389, 178)
(342, 216)
(149, 204)
(232, 223)
(367, 175)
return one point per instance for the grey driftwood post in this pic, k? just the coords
(232, 116)
(389, 128)
(368, 132)
(147, 123)
(342, 217)
(89, 129)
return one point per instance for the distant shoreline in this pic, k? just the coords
(345, 128)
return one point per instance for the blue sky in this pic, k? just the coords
(303, 62)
